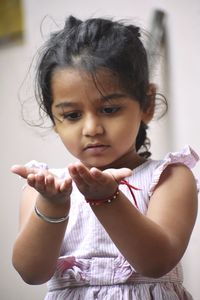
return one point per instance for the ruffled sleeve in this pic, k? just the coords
(60, 173)
(37, 165)
(186, 156)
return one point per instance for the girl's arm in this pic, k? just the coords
(153, 244)
(38, 244)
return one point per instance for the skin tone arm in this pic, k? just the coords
(37, 246)
(152, 244)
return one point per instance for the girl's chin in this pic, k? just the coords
(97, 163)
(131, 160)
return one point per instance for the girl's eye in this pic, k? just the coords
(110, 110)
(72, 116)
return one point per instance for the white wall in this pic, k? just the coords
(20, 143)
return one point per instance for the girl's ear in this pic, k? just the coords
(148, 111)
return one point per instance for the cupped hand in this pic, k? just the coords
(47, 184)
(96, 184)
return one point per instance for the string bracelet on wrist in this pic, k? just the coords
(114, 196)
(105, 200)
(50, 219)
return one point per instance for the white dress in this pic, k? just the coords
(91, 267)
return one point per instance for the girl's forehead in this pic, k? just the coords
(102, 80)
(72, 87)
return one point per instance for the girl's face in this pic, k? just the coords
(97, 123)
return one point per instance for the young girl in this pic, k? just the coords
(115, 224)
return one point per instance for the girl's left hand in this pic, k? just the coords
(45, 183)
(96, 184)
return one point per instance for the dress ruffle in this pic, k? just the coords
(186, 156)
(72, 271)
(111, 278)
(61, 173)
(37, 165)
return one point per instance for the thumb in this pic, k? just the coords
(23, 171)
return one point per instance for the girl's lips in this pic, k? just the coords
(96, 149)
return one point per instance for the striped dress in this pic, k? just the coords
(90, 266)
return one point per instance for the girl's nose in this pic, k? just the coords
(92, 126)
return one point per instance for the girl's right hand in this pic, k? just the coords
(47, 184)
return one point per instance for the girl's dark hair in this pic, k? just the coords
(92, 45)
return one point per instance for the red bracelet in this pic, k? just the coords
(114, 196)
(105, 200)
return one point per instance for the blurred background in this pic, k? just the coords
(24, 25)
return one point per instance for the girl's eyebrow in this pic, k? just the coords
(66, 103)
(104, 98)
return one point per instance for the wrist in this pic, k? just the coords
(95, 202)
(52, 209)
(54, 220)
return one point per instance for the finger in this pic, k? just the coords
(51, 185)
(19, 170)
(31, 180)
(75, 175)
(100, 176)
(66, 185)
(39, 181)
(23, 171)
(124, 172)
(120, 174)
(85, 174)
